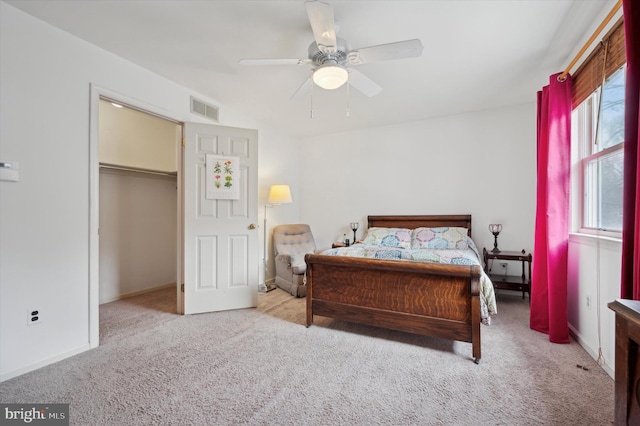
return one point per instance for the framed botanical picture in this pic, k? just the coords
(222, 177)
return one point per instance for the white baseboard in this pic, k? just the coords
(137, 292)
(43, 363)
(607, 366)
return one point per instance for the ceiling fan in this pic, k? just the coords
(332, 58)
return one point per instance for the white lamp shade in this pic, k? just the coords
(495, 228)
(280, 194)
(330, 76)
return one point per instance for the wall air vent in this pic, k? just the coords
(204, 109)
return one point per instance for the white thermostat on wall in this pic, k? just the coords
(9, 171)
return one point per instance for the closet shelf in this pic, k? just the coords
(111, 166)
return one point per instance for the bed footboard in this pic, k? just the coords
(423, 298)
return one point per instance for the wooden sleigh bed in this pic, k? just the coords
(431, 299)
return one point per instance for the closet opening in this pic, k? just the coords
(139, 217)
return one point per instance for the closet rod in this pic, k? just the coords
(136, 169)
(598, 30)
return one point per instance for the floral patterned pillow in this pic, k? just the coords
(440, 238)
(388, 237)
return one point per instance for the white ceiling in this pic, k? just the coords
(478, 54)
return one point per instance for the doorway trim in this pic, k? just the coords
(96, 93)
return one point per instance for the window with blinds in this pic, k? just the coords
(598, 134)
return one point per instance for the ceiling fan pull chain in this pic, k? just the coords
(348, 98)
(312, 90)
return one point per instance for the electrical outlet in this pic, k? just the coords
(504, 266)
(34, 317)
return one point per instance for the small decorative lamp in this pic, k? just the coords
(495, 229)
(354, 228)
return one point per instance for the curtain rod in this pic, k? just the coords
(604, 23)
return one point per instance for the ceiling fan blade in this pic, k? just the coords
(322, 24)
(363, 83)
(384, 52)
(302, 90)
(252, 62)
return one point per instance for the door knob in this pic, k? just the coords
(252, 226)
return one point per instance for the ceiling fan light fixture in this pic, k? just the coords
(330, 76)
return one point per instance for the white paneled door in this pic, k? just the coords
(220, 236)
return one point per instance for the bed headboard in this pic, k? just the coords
(418, 221)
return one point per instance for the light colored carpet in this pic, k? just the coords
(262, 367)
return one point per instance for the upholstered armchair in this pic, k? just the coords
(290, 244)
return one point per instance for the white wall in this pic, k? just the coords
(279, 164)
(594, 273)
(45, 78)
(138, 233)
(137, 139)
(481, 163)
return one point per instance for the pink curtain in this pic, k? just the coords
(630, 287)
(548, 313)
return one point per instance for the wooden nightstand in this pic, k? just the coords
(338, 244)
(510, 282)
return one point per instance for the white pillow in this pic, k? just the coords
(440, 238)
(388, 237)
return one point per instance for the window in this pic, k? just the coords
(598, 134)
